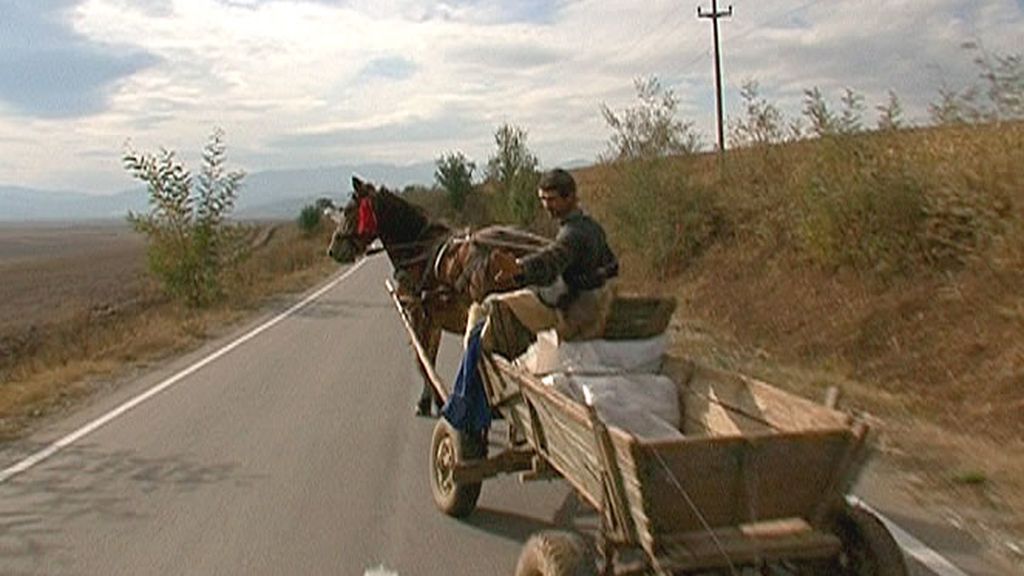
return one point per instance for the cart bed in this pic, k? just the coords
(758, 466)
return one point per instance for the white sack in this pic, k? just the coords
(548, 355)
(645, 405)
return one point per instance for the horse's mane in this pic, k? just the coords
(405, 221)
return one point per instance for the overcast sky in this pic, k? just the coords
(306, 83)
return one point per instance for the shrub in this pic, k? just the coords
(650, 128)
(191, 245)
(513, 169)
(1001, 98)
(309, 219)
(455, 174)
(762, 125)
(660, 215)
(862, 208)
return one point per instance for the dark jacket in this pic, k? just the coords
(580, 254)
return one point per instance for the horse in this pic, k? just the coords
(440, 271)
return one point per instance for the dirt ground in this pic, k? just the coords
(50, 273)
(936, 364)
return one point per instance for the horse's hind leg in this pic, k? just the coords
(431, 342)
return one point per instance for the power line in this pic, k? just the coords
(665, 28)
(689, 64)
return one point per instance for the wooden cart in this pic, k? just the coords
(757, 483)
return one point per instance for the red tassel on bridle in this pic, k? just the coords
(367, 224)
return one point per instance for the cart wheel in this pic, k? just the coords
(555, 553)
(868, 548)
(448, 448)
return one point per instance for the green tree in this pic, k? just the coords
(650, 129)
(513, 168)
(455, 174)
(309, 219)
(191, 246)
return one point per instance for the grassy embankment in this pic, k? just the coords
(888, 264)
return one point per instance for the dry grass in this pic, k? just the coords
(919, 322)
(60, 353)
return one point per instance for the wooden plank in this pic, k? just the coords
(428, 367)
(752, 402)
(743, 546)
(567, 437)
(617, 503)
(505, 462)
(727, 481)
(635, 487)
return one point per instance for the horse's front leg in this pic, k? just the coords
(433, 344)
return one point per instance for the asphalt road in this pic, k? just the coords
(294, 451)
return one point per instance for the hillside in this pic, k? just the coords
(887, 264)
(890, 266)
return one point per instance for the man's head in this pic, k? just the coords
(557, 192)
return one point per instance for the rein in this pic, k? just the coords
(423, 256)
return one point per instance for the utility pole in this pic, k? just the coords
(714, 15)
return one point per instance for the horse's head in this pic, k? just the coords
(357, 224)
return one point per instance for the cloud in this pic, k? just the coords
(48, 70)
(307, 82)
(391, 68)
(447, 126)
(494, 56)
(911, 48)
(500, 11)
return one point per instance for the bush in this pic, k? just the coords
(455, 174)
(191, 246)
(863, 207)
(649, 129)
(659, 215)
(513, 169)
(309, 219)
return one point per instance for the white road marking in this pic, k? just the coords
(379, 571)
(98, 423)
(912, 546)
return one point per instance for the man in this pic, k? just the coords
(563, 286)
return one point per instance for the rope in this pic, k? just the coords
(689, 502)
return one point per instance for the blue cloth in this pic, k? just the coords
(467, 409)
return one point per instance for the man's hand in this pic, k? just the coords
(504, 269)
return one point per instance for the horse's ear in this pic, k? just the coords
(358, 187)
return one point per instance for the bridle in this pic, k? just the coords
(367, 229)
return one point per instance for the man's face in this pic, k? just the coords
(556, 205)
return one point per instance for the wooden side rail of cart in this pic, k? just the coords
(758, 475)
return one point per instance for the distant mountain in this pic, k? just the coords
(283, 193)
(575, 163)
(269, 194)
(19, 204)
